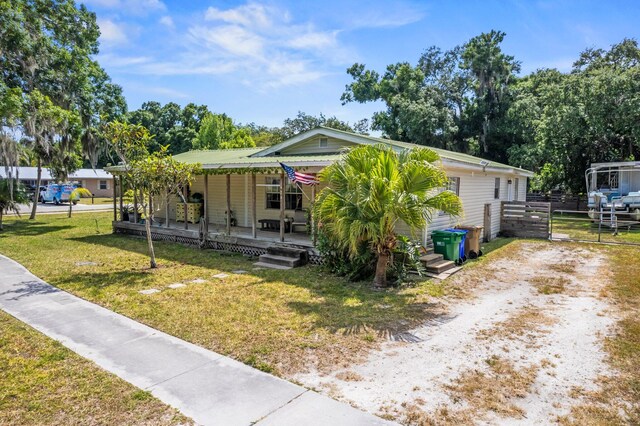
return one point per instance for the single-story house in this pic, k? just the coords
(248, 182)
(98, 181)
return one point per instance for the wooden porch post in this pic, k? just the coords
(115, 195)
(184, 194)
(311, 215)
(121, 193)
(206, 204)
(282, 202)
(228, 204)
(166, 209)
(254, 222)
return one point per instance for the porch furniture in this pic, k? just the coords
(299, 219)
(193, 212)
(273, 225)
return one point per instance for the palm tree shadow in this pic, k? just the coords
(389, 314)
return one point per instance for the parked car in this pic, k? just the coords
(58, 193)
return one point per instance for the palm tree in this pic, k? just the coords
(371, 189)
(78, 193)
(12, 194)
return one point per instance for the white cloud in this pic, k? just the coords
(230, 38)
(111, 33)
(111, 60)
(314, 40)
(167, 21)
(262, 45)
(249, 15)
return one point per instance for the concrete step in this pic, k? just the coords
(281, 260)
(294, 253)
(431, 258)
(440, 266)
(271, 266)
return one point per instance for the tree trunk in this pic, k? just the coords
(380, 280)
(166, 210)
(146, 209)
(37, 193)
(483, 137)
(1, 226)
(152, 254)
(71, 204)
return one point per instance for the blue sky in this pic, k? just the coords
(263, 61)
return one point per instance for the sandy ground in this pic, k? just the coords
(537, 309)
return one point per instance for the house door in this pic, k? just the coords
(487, 222)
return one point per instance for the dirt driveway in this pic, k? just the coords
(520, 346)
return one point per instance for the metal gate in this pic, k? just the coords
(615, 227)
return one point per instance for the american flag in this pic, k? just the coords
(299, 177)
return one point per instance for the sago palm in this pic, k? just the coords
(371, 189)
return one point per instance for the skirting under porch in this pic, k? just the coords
(240, 240)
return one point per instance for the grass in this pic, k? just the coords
(578, 227)
(45, 383)
(278, 321)
(494, 389)
(97, 200)
(550, 284)
(618, 400)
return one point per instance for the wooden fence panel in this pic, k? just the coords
(526, 219)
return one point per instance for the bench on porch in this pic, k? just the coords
(273, 225)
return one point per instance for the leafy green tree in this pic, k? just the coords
(155, 175)
(47, 53)
(493, 71)
(12, 194)
(371, 189)
(78, 193)
(217, 131)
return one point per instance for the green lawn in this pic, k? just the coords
(580, 227)
(97, 200)
(43, 383)
(279, 321)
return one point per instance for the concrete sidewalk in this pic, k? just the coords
(208, 387)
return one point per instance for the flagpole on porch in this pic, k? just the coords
(228, 204)
(254, 231)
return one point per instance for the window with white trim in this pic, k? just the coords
(496, 189)
(103, 184)
(292, 195)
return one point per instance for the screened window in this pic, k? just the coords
(454, 185)
(292, 195)
(496, 190)
(103, 184)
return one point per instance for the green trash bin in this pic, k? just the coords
(447, 244)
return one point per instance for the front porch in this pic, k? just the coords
(240, 239)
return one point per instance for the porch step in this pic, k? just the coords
(431, 258)
(292, 252)
(271, 266)
(288, 261)
(440, 266)
(429, 250)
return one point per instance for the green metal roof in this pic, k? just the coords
(261, 157)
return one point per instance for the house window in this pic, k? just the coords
(515, 192)
(292, 195)
(454, 185)
(103, 184)
(324, 142)
(496, 189)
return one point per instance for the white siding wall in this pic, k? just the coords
(476, 190)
